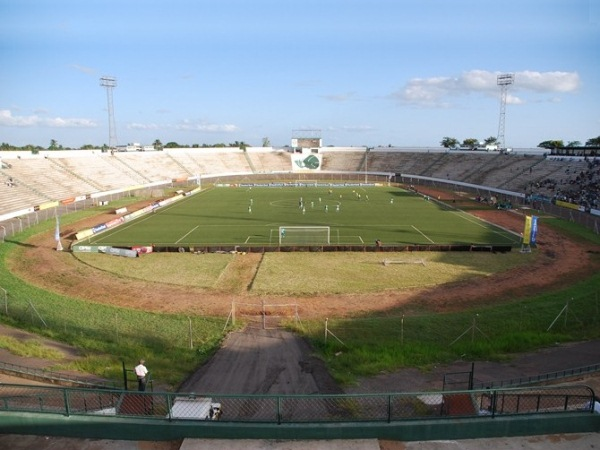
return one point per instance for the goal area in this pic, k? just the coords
(298, 235)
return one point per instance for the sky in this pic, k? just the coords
(361, 72)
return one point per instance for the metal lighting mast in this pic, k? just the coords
(109, 83)
(504, 81)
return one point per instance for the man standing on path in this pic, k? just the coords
(141, 372)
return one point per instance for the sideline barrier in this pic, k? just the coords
(223, 248)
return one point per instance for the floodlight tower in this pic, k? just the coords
(504, 81)
(110, 83)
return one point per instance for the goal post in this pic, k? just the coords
(311, 235)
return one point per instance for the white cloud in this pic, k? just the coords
(351, 128)
(512, 100)
(8, 120)
(435, 91)
(144, 126)
(357, 128)
(83, 69)
(188, 125)
(339, 97)
(548, 81)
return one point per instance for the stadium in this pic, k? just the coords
(414, 256)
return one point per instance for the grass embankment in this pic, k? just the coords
(174, 344)
(371, 345)
(363, 345)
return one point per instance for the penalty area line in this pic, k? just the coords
(186, 234)
(422, 234)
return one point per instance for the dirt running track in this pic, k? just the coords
(560, 262)
(281, 364)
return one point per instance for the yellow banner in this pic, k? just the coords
(527, 231)
(567, 205)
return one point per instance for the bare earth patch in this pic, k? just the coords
(560, 262)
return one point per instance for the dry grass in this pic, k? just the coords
(308, 273)
(342, 273)
(169, 268)
(30, 348)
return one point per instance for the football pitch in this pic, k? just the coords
(268, 216)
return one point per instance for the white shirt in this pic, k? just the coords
(140, 370)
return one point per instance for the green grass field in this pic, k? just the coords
(355, 215)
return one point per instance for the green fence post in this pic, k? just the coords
(124, 376)
(66, 397)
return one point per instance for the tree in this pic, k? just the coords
(551, 144)
(449, 142)
(241, 145)
(172, 145)
(490, 141)
(574, 144)
(157, 145)
(53, 145)
(593, 142)
(266, 142)
(470, 143)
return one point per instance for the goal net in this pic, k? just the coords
(304, 235)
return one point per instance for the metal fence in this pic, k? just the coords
(582, 218)
(289, 409)
(51, 376)
(542, 378)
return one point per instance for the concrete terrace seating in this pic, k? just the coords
(343, 161)
(392, 162)
(506, 170)
(209, 161)
(154, 166)
(45, 180)
(563, 172)
(268, 162)
(17, 197)
(103, 171)
(58, 176)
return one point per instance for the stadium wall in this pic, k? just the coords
(410, 430)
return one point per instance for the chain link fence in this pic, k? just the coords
(297, 408)
(463, 331)
(583, 218)
(111, 324)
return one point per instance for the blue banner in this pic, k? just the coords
(534, 229)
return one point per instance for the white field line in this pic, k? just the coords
(422, 234)
(485, 224)
(117, 230)
(186, 234)
(123, 227)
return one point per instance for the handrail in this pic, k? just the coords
(298, 408)
(523, 381)
(52, 376)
